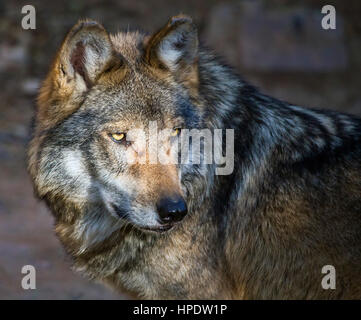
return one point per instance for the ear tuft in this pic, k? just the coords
(77, 60)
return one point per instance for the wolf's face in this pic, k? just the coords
(109, 140)
(110, 118)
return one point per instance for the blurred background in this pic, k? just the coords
(278, 45)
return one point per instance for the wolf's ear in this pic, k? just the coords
(85, 53)
(175, 46)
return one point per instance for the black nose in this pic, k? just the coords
(171, 209)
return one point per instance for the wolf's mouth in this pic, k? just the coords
(159, 229)
(122, 214)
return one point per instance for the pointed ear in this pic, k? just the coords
(85, 53)
(175, 46)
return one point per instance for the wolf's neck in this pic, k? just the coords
(263, 123)
(219, 87)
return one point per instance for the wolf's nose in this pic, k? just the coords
(171, 209)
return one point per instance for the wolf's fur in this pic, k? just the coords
(291, 205)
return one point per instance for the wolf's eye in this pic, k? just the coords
(117, 137)
(175, 132)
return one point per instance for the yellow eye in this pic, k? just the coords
(175, 132)
(118, 136)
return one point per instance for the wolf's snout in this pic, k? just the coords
(171, 209)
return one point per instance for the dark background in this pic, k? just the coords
(278, 45)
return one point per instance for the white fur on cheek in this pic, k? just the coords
(75, 168)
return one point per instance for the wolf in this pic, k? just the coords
(266, 230)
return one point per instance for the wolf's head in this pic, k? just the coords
(100, 109)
